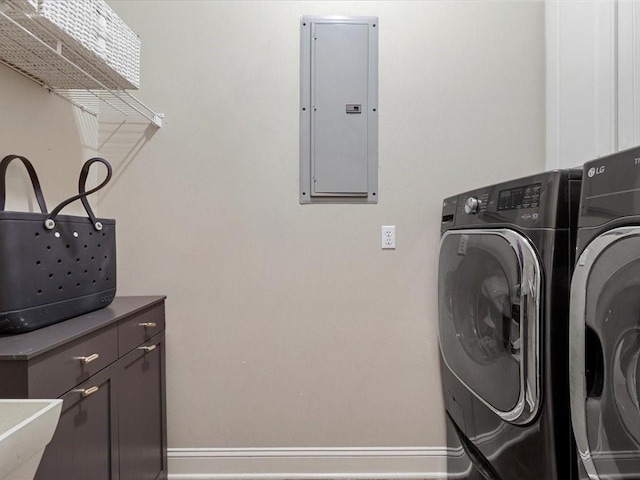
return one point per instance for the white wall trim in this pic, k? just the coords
(628, 69)
(309, 463)
(582, 79)
(606, 78)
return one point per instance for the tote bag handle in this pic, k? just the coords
(49, 222)
(4, 164)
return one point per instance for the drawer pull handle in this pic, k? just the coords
(88, 359)
(148, 349)
(148, 324)
(85, 392)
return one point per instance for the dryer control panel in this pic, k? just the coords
(611, 188)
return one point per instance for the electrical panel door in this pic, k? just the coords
(338, 128)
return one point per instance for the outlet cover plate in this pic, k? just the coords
(388, 237)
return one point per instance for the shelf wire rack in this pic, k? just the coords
(34, 50)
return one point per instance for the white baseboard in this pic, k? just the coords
(309, 463)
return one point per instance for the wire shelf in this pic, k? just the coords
(31, 49)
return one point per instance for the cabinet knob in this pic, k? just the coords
(148, 324)
(148, 349)
(88, 359)
(85, 392)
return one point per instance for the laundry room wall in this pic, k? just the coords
(54, 135)
(288, 326)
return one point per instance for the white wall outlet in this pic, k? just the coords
(389, 236)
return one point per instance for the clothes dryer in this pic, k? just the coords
(506, 256)
(605, 320)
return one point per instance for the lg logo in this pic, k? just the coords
(595, 171)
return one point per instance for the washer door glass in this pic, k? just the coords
(612, 354)
(480, 315)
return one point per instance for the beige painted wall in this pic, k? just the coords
(288, 326)
(50, 132)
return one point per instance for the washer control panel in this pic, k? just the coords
(525, 196)
(476, 203)
(472, 205)
(517, 202)
(536, 201)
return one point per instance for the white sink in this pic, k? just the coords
(26, 427)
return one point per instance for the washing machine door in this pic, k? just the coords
(605, 355)
(489, 307)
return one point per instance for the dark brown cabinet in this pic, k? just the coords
(140, 376)
(109, 368)
(85, 437)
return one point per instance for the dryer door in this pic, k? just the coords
(489, 304)
(605, 355)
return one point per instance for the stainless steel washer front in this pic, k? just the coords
(489, 318)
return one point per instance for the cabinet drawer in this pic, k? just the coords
(66, 367)
(140, 328)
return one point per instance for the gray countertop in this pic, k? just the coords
(25, 346)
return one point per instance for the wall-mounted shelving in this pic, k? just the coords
(39, 53)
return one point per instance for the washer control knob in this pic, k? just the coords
(472, 205)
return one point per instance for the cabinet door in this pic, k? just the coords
(142, 412)
(82, 446)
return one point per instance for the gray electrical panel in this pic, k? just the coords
(339, 110)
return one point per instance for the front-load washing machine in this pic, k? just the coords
(506, 256)
(605, 320)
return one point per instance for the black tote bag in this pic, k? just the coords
(53, 267)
